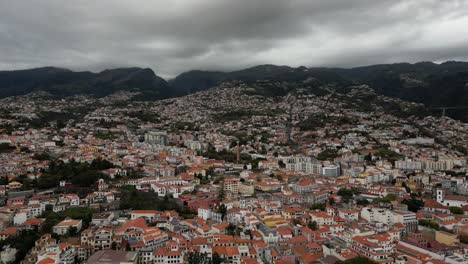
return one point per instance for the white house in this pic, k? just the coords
(63, 227)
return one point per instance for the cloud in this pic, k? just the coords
(180, 35)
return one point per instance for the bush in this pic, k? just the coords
(429, 223)
(456, 210)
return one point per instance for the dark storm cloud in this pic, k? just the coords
(178, 35)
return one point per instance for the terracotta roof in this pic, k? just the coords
(138, 223)
(46, 261)
(9, 231)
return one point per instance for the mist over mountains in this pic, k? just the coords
(435, 85)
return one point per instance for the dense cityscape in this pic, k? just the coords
(228, 175)
(234, 132)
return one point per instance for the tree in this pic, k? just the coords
(456, 210)
(404, 185)
(295, 222)
(387, 199)
(232, 230)
(464, 239)
(23, 242)
(328, 154)
(312, 225)
(217, 259)
(281, 164)
(357, 260)
(345, 193)
(221, 193)
(363, 202)
(3, 180)
(72, 231)
(413, 204)
(429, 223)
(127, 247)
(320, 207)
(49, 207)
(222, 210)
(248, 232)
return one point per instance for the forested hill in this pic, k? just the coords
(435, 85)
(63, 82)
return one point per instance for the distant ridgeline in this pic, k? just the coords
(435, 85)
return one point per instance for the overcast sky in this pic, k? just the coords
(173, 36)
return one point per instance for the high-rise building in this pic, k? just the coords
(157, 137)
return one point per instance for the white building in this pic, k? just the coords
(63, 227)
(331, 171)
(389, 217)
(451, 200)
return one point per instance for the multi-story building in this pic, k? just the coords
(63, 227)
(378, 248)
(390, 218)
(302, 164)
(331, 171)
(157, 137)
(231, 185)
(451, 200)
(97, 238)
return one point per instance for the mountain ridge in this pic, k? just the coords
(434, 84)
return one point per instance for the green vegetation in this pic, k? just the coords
(456, 210)
(26, 239)
(138, 200)
(6, 128)
(464, 239)
(203, 180)
(312, 225)
(42, 156)
(328, 154)
(107, 135)
(429, 223)
(23, 242)
(232, 230)
(387, 199)
(320, 207)
(312, 122)
(413, 204)
(316, 121)
(57, 119)
(52, 218)
(362, 202)
(5, 148)
(228, 156)
(357, 260)
(222, 210)
(385, 153)
(347, 194)
(82, 174)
